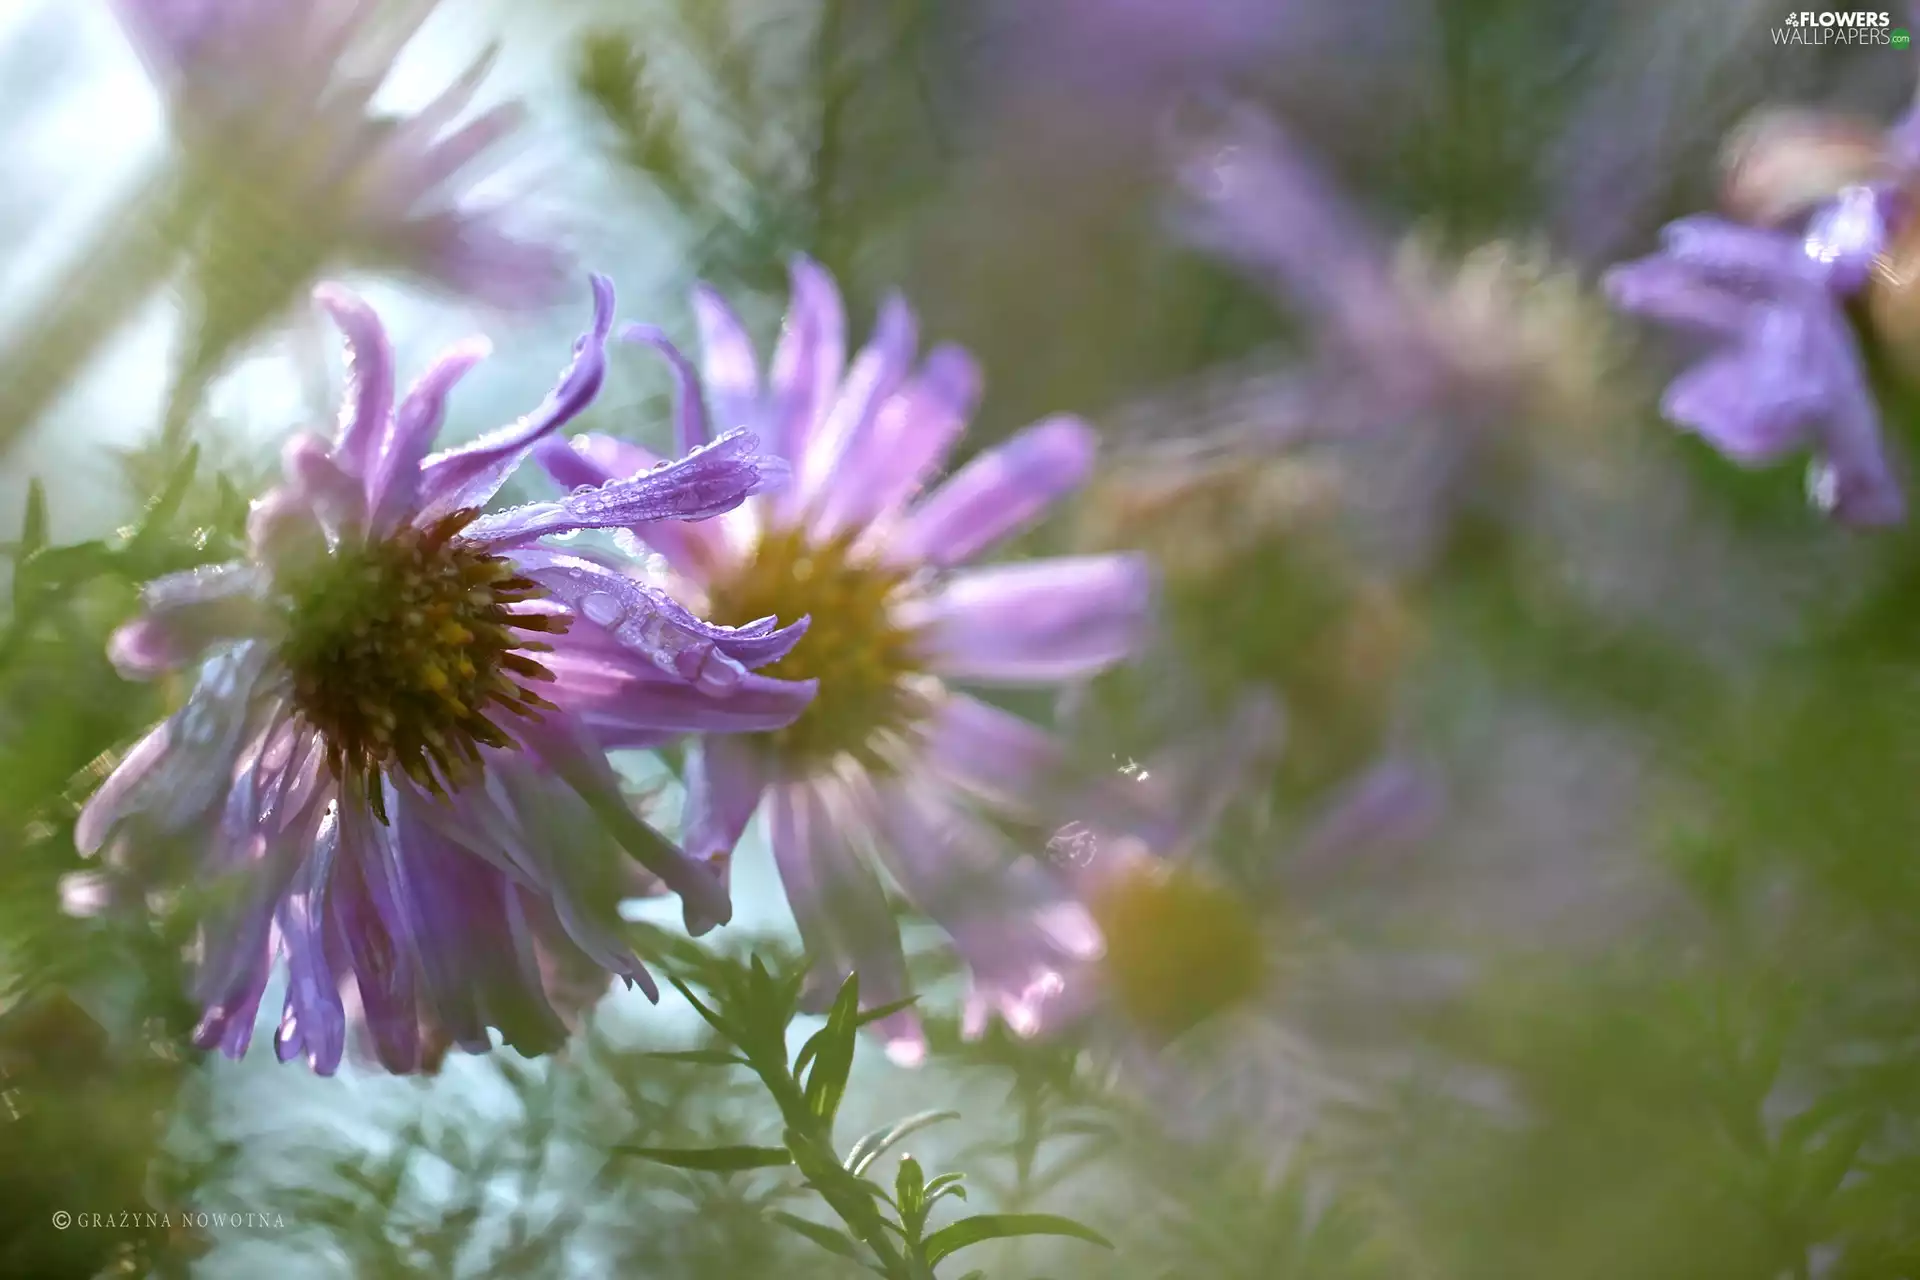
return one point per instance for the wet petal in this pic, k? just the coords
(337, 498)
(415, 426)
(314, 1022)
(1038, 622)
(564, 746)
(470, 475)
(371, 934)
(1847, 236)
(369, 400)
(705, 483)
(690, 426)
(186, 613)
(998, 494)
(725, 779)
(648, 622)
(589, 461)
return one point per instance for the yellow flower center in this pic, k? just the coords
(862, 658)
(1180, 948)
(399, 650)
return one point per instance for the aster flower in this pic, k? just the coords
(377, 759)
(1421, 367)
(890, 762)
(275, 96)
(1824, 205)
(288, 172)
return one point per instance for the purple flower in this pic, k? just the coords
(377, 760)
(1784, 374)
(1827, 197)
(1421, 371)
(271, 101)
(890, 761)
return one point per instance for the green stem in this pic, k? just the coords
(131, 256)
(852, 1204)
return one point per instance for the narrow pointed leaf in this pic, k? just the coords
(701, 1057)
(713, 1159)
(876, 1144)
(826, 1237)
(33, 530)
(714, 1020)
(827, 1082)
(1000, 1226)
(886, 1010)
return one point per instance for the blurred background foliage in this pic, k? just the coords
(1641, 1004)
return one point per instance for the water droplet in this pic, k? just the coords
(604, 609)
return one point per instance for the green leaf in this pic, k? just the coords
(876, 1144)
(714, 1020)
(808, 1051)
(947, 1184)
(886, 1010)
(701, 1057)
(910, 1188)
(826, 1237)
(165, 507)
(713, 1159)
(1000, 1226)
(33, 530)
(827, 1082)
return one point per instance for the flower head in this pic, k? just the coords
(890, 762)
(271, 102)
(1824, 204)
(379, 758)
(1420, 364)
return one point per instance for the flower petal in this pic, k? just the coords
(711, 480)
(563, 744)
(1658, 288)
(589, 461)
(1847, 236)
(725, 779)
(808, 361)
(840, 908)
(1035, 623)
(849, 433)
(184, 614)
(314, 1022)
(915, 432)
(648, 622)
(336, 497)
(728, 366)
(690, 426)
(469, 476)
(993, 754)
(415, 425)
(998, 494)
(372, 935)
(369, 400)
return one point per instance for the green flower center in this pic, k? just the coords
(1180, 948)
(401, 650)
(862, 658)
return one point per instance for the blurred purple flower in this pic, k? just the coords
(889, 760)
(364, 760)
(271, 101)
(1785, 375)
(1827, 197)
(1425, 365)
